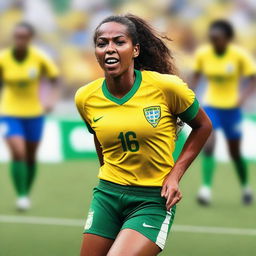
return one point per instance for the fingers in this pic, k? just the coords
(173, 202)
(172, 194)
(173, 198)
(164, 191)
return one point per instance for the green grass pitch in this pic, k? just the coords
(64, 191)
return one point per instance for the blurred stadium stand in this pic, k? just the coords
(65, 28)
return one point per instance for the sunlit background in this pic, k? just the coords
(69, 167)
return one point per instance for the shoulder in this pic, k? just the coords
(87, 90)
(175, 92)
(203, 50)
(239, 51)
(162, 81)
(36, 51)
(39, 53)
(4, 53)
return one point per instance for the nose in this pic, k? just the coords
(110, 49)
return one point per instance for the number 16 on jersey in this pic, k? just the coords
(128, 141)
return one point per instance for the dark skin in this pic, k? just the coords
(114, 41)
(220, 42)
(201, 129)
(20, 149)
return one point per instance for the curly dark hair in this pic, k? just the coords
(225, 26)
(27, 26)
(154, 54)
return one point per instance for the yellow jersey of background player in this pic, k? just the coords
(21, 80)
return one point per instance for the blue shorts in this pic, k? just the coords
(229, 120)
(29, 128)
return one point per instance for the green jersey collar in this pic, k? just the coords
(127, 96)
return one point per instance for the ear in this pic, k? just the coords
(136, 51)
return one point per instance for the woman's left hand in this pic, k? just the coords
(171, 191)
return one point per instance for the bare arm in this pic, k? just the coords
(96, 141)
(247, 92)
(54, 94)
(194, 80)
(1, 79)
(201, 129)
(98, 150)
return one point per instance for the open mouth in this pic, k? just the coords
(111, 61)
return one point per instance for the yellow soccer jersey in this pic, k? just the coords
(20, 93)
(137, 132)
(223, 74)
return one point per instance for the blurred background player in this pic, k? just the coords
(223, 64)
(22, 113)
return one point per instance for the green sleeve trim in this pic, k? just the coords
(190, 113)
(90, 128)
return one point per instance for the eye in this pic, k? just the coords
(120, 42)
(101, 44)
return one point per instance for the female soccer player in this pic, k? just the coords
(132, 113)
(22, 113)
(223, 64)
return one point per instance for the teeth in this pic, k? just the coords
(111, 61)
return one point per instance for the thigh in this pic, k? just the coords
(234, 148)
(104, 215)
(130, 242)
(33, 128)
(94, 245)
(31, 149)
(14, 136)
(213, 114)
(148, 216)
(210, 144)
(11, 127)
(103, 223)
(231, 121)
(17, 147)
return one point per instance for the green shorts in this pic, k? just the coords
(115, 207)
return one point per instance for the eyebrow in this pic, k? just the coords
(115, 37)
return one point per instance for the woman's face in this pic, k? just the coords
(218, 39)
(114, 49)
(22, 37)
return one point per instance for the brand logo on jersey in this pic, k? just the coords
(153, 115)
(97, 119)
(147, 226)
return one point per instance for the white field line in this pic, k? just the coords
(41, 220)
(80, 223)
(214, 230)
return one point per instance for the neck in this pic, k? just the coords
(20, 50)
(121, 85)
(220, 51)
(20, 54)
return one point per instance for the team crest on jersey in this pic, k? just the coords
(89, 220)
(153, 115)
(32, 73)
(230, 68)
